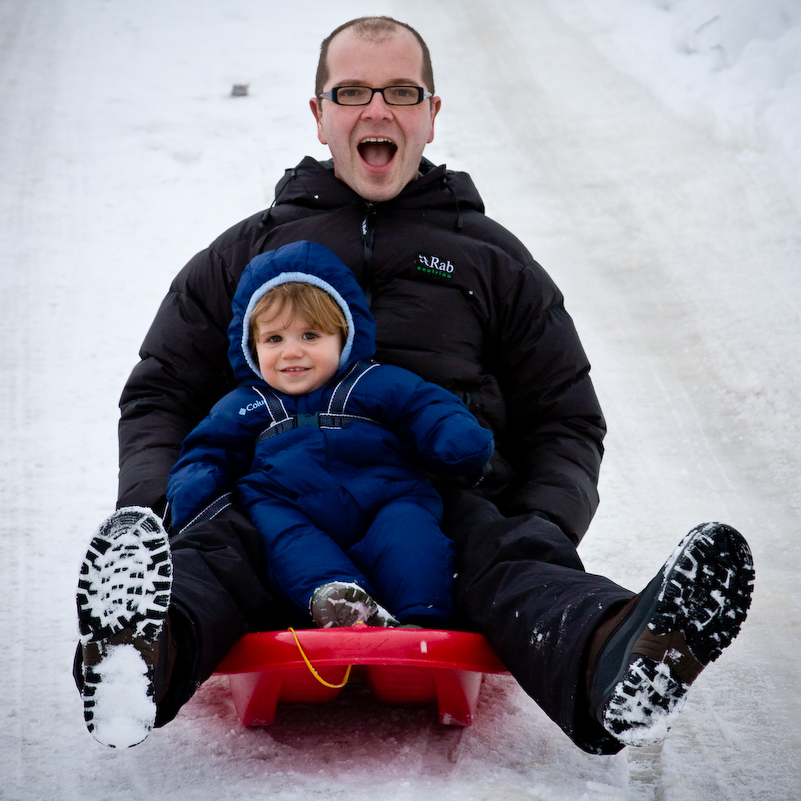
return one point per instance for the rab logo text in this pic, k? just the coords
(434, 265)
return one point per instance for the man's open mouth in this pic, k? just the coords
(376, 151)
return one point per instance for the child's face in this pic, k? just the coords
(293, 356)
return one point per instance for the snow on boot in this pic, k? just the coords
(341, 603)
(123, 595)
(665, 636)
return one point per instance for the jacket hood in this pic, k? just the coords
(303, 262)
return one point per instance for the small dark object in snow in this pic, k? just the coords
(240, 90)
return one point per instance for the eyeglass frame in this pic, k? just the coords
(331, 94)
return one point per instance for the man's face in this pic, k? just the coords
(376, 148)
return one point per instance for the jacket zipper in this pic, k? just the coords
(368, 229)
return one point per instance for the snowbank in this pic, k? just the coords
(731, 65)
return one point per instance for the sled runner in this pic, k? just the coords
(400, 666)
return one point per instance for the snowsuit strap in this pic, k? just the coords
(275, 407)
(341, 394)
(334, 417)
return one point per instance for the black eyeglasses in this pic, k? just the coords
(363, 95)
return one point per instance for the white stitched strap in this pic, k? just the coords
(342, 391)
(274, 404)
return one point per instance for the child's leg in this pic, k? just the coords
(300, 556)
(409, 561)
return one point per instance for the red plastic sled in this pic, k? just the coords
(400, 665)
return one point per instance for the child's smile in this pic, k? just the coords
(294, 357)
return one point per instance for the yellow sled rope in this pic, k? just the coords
(314, 672)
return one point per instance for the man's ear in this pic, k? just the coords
(317, 109)
(436, 103)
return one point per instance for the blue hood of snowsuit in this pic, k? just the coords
(303, 262)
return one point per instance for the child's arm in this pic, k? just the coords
(441, 435)
(213, 456)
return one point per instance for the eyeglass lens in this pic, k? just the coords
(394, 95)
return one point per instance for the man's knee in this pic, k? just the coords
(483, 536)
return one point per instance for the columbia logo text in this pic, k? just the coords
(250, 407)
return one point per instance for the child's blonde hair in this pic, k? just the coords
(307, 301)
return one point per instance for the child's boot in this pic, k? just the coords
(341, 603)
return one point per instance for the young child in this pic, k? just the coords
(326, 450)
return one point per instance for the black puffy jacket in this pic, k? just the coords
(457, 299)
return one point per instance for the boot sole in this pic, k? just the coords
(123, 596)
(701, 595)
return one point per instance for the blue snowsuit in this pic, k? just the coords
(333, 479)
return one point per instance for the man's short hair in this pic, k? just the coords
(373, 29)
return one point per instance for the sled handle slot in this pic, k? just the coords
(314, 672)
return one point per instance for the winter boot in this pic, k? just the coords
(123, 595)
(643, 660)
(341, 603)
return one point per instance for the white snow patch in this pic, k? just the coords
(124, 712)
(731, 65)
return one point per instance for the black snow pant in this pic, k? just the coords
(519, 581)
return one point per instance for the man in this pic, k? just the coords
(460, 301)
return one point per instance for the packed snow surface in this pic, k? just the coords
(648, 154)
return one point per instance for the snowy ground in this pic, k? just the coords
(655, 171)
